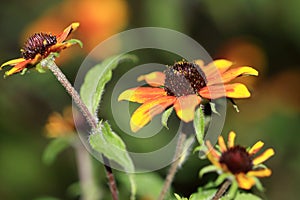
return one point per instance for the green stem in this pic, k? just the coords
(174, 166)
(49, 62)
(85, 172)
(222, 190)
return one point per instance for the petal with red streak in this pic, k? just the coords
(185, 107)
(142, 94)
(18, 68)
(148, 110)
(256, 148)
(61, 37)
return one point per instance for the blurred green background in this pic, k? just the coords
(260, 33)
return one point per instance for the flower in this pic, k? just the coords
(39, 46)
(60, 125)
(185, 85)
(238, 162)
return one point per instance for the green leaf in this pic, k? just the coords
(165, 117)
(54, 148)
(96, 78)
(40, 68)
(207, 169)
(199, 125)
(179, 198)
(247, 196)
(108, 143)
(203, 194)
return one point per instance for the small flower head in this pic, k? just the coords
(240, 164)
(39, 46)
(60, 125)
(185, 85)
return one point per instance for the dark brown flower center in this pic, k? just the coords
(237, 160)
(183, 78)
(37, 44)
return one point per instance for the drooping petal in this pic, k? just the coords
(212, 151)
(154, 79)
(59, 46)
(233, 73)
(148, 110)
(244, 181)
(222, 145)
(142, 94)
(18, 68)
(12, 62)
(256, 148)
(61, 37)
(235, 90)
(185, 107)
(231, 138)
(260, 173)
(263, 157)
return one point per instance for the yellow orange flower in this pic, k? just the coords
(239, 163)
(38, 47)
(185, 85)
(59, 125)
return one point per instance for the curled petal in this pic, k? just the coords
(256, 148)
(12, 62)
(142, 94)
(154, 79)
(148, 110)
(18, 68)
(235, 90)
(185, 107)
(260, 173)
(61, 37)
(212, 151)
(263, 157)
(231, 138)
(244, 181)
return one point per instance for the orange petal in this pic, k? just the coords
(231, 138)
(12, 62)
(185, 107)
(260, 173)
(154, 79)
(148, 110)
(212, 151)
(61, 37)
(235, 90)
(18, 68)
(215, 68)
(222, 145)
(142, 94)
(256, 148)
(263, 157)
(244, 181)
(232, 74)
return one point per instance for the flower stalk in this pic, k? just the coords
(92, 121)
(222, 190)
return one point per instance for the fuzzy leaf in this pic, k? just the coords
(246, 196)
(199, 125)
(108, 143)
(96, 78)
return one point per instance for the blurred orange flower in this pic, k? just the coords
(60, 125)
(99, 19)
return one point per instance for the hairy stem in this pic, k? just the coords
(92, 120)
(174, 166)
(222, 190)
